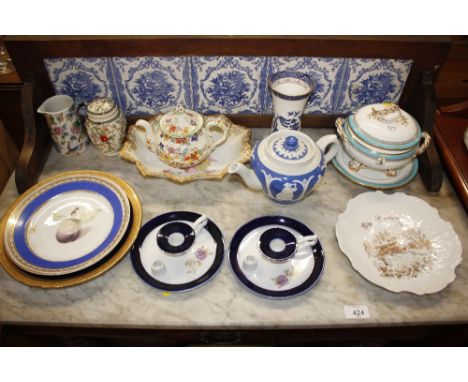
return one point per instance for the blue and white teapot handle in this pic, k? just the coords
(329, 140)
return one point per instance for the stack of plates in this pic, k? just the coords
(69, 229)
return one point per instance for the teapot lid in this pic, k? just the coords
(181, 122)
(386, 126)
(289, 152)
(101, 105)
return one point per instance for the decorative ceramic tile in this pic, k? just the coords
(228, 84)
(225, 84)
(149, 85)
(322, 70)
(82, 78)
(372, 80)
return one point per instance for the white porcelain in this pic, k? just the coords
(90, 212)
(399, 242)
(236, 148)
(67, 225)
(290, 91)
(387, 124)
(272, 275)
(106, 125)
(375, 157)
(66, 130)
(371, 178)
(276, 256)
(249, 264)
(158, 268)
(368, 146)
(287, 165)
(379, 163)
(178, 251)
(306, 241)
(465, 138)
(183, 268)
(198, 224)
(183, 138)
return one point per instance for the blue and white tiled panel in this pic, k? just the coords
(226, 84)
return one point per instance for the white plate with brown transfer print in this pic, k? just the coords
(66, 224)
(399, 242)
(236, 148)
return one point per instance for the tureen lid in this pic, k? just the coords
(181, 122)
(289, 152)
(385, 125)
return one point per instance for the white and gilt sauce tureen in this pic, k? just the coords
(382, 137)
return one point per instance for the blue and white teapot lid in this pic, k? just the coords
(289, 152)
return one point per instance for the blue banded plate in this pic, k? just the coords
(254, 267)
(67, 224)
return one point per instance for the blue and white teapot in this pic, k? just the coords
(287, 165)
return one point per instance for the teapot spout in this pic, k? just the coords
(246, 174)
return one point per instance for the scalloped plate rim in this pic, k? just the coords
(128, 153)
(458, 257)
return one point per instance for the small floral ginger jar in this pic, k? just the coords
(106, 125)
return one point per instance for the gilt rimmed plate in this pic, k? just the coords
(236, 148)
(399, 242)
(275, 279)
(66, 224)
(116, 255)
(172, 271)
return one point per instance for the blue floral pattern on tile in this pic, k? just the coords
(225, 84)
(81, 78)
(149, 85)
(154, 89)
(376, 87)
(373, 80)
(228, 84)
(228, 89)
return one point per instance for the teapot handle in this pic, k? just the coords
(324, 142)
(143, 123)
(224, 127)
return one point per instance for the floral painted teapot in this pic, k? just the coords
(181, 138)
(287, 165)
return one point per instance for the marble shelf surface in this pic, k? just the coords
(119, 298)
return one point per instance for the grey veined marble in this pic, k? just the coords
(120, 297)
